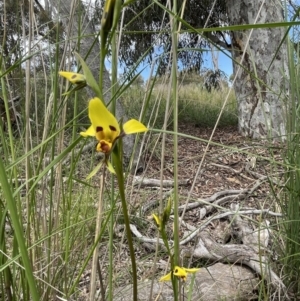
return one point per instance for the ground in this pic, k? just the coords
(231, 162)
(231, 165)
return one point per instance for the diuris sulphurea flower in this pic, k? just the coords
(73, 77)
(179, 272)
(105, 127)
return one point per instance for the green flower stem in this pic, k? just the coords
(119, 173)
(102, 66)
(171, 255)
(114, 79)
(97, 233)
(18, 231)
(175, 260)
(111, 243)
(165, 240)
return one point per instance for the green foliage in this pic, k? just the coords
(47, 206)
(196, 105)
(290, 201)
(214, 79)
(143, 24)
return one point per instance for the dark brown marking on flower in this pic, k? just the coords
(99, 129)
(73, 76)
(112, 128)
(104, 147)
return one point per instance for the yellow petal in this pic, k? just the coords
(180, 272)
(89, 132)
(133, 126)
(74, 78)
(193, 270)
(166, 277)
(104, 122)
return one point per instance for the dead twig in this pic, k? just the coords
(144, 182)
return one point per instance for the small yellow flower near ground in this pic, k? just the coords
(179, 272)
(73, 77)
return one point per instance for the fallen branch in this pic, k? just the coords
(212, 198)
(207, 248)
(236, 172)
(150, 242)
(143, 182)
(228, 195)
(226, 215)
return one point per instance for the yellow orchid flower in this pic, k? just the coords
(105, 126)
(106, 129)
(179, 272)
(73, 77)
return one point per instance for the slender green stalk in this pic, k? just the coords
(97, 233)
(5, 277)
(175, 259)
(291, 205)
(111, 249)
(51, 217)
(27, 121)
(114, 80)
(67, 208)
(120, 177)
(18, 232)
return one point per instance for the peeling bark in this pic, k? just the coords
(260, 84)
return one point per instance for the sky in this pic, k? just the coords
(224, 64)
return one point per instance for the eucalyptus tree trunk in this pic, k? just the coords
(72, 14)
(260, 86)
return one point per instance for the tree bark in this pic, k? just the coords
(260, 85)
